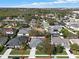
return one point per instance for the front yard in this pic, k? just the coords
(20, 52)
(75, 52)
(3, 51)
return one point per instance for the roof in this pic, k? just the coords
(56, 40)
(35, 41)
(3, 40)
(17, 41)
(59, 40)
(24, 31)
(8, 29)
(54, 28)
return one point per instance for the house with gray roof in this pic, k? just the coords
(54, 30)
(3, 40)
(24, 32)
(17, 42)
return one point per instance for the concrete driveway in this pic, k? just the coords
(6, 54)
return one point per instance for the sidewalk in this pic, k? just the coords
(70, 30)
(32, 52)
(6, 54)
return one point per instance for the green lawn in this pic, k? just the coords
(41, 57)
(75, 52)
(20, 52)
(1, 53)
(77, 57)
(40, 52)
(63, 53)
(62, 57)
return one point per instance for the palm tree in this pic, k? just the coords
(24, 47)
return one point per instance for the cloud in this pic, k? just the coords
(43, 4)
(66, 1)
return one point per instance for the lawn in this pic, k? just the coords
(40, 52)
(75, 52)
(62, 57)
(20, 52)
(63, 53)
(77, 57)
(1, 53)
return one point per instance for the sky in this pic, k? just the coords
(40, 3)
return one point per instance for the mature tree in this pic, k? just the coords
(60, 48)
(45, 47)
(65, 33)
(54, 49)
(36, 33)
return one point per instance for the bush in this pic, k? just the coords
(1, 47)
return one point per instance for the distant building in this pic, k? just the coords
(55, 29)
(33, 23)
(8, 31)
(24, 32)
(72, 22)
(1, 24)
(45, 25)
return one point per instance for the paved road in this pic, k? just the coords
(6, 54)
(65, 42)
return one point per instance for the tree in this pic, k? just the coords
(54, 49)
(65, 33)
(75, 47)
(60, 48)
(1, 47)
(24, 47)
(57, 49)
(45, 47)
(36, 33)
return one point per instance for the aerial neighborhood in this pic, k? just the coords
(39, 33)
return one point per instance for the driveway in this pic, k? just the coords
(33, 44)
(6, 54)
(71, 56)
(32, 52)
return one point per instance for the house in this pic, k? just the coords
(55, 29)
(8, 31)
(3, 40)
(36, 40)
(33, 23)
(45, 25)
(1, 24)
(60, 41)
(24, 32)
(17, 42)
